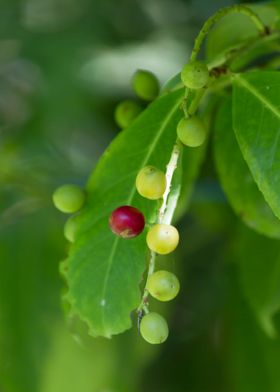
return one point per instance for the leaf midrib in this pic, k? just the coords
(258, 95)
(131, 195)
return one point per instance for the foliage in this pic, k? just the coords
(224, 198)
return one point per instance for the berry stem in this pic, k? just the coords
(195, 102)
(143, 307)
(230, 56)
(224, 64)
(165, 215)
(185, 102)
(219, 15)
(190, 109)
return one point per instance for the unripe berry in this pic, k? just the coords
(162, 238)
(195, 75)
(68, 198)
(191, 131)
(70, 228)
(145, 85)
(127, 222)
(126, 112)
(151, 183)
(163, 285)
(154, 328)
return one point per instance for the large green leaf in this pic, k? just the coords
(103, 272)
(236, 179)
(256, 121)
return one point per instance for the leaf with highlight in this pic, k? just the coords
(103, 271)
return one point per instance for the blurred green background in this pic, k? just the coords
(63, 67)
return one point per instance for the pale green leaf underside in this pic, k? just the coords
(256, 121)
(236, 179)
(103, 272)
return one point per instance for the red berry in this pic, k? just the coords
(127, 222)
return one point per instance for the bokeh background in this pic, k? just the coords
(64, 65)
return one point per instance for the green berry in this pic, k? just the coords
(70, 228)
(162, 238)
(145, 85)
(126, 112)
(151, 183)
(191, 131)
(68, 198)
(163, 285)
(195, 75)
(154, 328)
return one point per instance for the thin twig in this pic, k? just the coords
(219, 15)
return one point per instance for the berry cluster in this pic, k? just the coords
(146, 86)
(128, 222)
(69, 199)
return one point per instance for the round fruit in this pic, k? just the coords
(195, 75)
(127, 222)
(145, 85)
(68, 198)
(191, 131)
(163, 285)
(126, 112)
(162, 239)
(70, 228)
(154, 328)
(151, 183)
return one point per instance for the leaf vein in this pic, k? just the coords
(258, 95)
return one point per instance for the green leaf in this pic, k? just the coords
(258, 259)
(237, 182)
(103, 271)
(256, 121)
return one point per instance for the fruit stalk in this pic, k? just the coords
(165, 215)
(219, 15)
